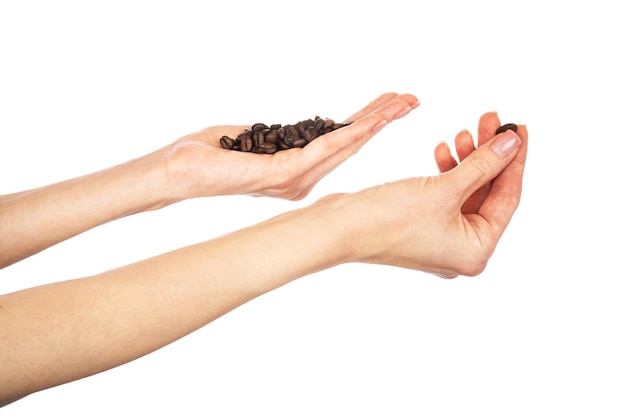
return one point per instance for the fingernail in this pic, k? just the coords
(403, 112)
(380, 125)
(506, 143)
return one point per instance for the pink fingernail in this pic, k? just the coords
(506, 143)
(403, 112)
(380, 125)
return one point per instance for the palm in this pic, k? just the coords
(205, 168)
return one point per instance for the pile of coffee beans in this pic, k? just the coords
(506, 127)
(264, 139)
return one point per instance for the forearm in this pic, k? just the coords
(64, 331)
(33, 220)
(193, 166)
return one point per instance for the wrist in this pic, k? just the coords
(142, 184)
(332, 230)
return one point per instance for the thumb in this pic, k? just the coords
(482, 165)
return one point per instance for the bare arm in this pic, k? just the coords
(193, 166)
(34, 220)
(64, 331)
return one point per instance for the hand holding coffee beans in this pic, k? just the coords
(264, 139)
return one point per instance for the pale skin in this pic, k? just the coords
(446, 225)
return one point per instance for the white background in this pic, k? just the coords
(86, 85)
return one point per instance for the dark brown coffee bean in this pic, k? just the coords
(289, 140)
(245, 144)
(264, 139)
(245, 134)
(319, 124)
(227, 142)
(303, 125)
(259, 127)
(271, 137)
(506, 127)
(310, 133)
(258, 137)
(299, 143)
(292, 131)
(266, 148)
(282, 145)
(280, 132)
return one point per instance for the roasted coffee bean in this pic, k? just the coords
(266, 148)
(280, 132)
(303, 125)
(319, 123)
(310, 133)
(299, 143)
(506, 127)
(289, 140)
(258, 137)
(245, 144)
(227, 142)
(264, 139)
(282, 144)
(245, 134)
(292, 131)
(271, 137)
(259, 127)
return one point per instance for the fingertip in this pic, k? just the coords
(506, 143)
(442, 149)
(487, 125)
(443, 157)
(464, 144)
(411, 100)
(490, 115)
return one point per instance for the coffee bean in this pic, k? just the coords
(310, 133)
(292, 131)
(329, 123)
(299, 143)
(282, 145)
(227, 142)
(280, 132)
(271, 137)
(259, 127)
(258, 137)
(302, 126)
(268, 139)
(319, 124)
(266, 148)
(506, 127)
(246, 144)
(289, 140)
